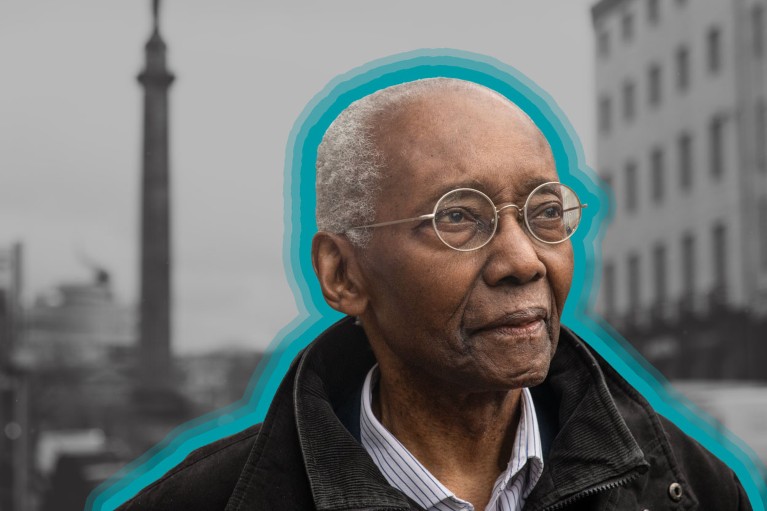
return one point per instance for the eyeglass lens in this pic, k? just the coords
(465, 219)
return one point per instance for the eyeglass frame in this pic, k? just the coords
(496, 212)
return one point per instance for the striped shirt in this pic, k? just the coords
(408, 475)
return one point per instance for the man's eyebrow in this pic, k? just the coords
(515, 191)
(473, 182)
(431, 200)
(531, 184)
(520, 190)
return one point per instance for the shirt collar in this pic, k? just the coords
(408, 475)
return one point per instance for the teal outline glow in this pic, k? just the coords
(315, 315)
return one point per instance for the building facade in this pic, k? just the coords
(80, 325)
(682, 131)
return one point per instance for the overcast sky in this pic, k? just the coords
(70, 120)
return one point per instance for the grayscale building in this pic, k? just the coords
(80, 325)
(682, 123)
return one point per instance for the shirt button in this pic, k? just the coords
(675, 492)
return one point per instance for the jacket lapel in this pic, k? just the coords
(340, 472)
(304, 457)
(592, 447)
(273, 476)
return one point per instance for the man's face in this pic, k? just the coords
(482, 320)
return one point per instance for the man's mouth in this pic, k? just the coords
(520, 323)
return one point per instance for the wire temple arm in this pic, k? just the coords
(394, 222)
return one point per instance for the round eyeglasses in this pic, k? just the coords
(466, 219)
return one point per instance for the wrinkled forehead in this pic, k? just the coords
(456, 137)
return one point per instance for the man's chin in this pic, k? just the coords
(529, 377)
(534, 378)
(522, 378)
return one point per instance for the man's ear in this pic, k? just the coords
(335, 262)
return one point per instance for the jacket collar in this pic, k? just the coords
(590, 444)
(328, 381)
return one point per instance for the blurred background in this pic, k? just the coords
(141, 176)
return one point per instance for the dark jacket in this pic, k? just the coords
(604, 447)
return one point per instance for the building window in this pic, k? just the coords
(605, 115)
(656, 175)
(654, 85)
(761, 136)
(762, 228)
(609, 290)
(716, 146)
(627, 26)
(688, 269)
(632, 201)
(603, 43)
(719, 250)
(607, 179)
(684, 147)
(653, 11)
(714, 50)
(683, 68)
(629, 100)
(634, 291)
(757, 30)
(659, 264)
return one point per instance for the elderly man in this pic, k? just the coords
(452, 385)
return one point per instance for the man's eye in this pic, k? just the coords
(455, 216)
(548, 212)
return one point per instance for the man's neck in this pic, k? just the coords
(464, 439)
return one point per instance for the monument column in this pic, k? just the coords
(155, 331)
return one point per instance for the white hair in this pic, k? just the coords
(350, 167)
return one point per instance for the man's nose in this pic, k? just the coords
(513, 252)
